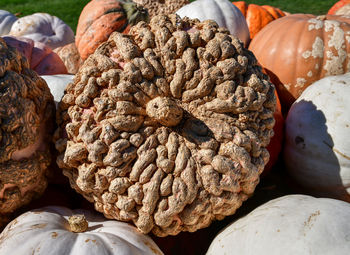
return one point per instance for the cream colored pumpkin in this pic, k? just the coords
(6, 21)
(49, 230)
(223, 12)
(44, 28)
(57, 83)
(317, 146)
(289, 225)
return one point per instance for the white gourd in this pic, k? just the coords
(48, 231)
(289, 225)
(222, 11)
(6, 21)
(44, 28)
(317, 146)
(57, 84)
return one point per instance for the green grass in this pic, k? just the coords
(317, 7)
(69, 10)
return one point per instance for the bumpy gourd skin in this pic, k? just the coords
(26, 113)
(167, 127)
(164, 7)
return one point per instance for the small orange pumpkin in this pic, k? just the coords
(100, 18)
(338, 5)
(258, 16)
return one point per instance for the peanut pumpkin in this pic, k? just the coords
(167, 127)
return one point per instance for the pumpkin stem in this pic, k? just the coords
(134, 12)
(78, 223)
(321, 17)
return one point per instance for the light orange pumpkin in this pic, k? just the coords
(337, 6)
(40, 57)
(100, 18)
(258, 16)
(299, 49)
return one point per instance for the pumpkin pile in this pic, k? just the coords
(175, 127)
(167, 130)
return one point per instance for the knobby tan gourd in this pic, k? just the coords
(167, 127)
(156, 7)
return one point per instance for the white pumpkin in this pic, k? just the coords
(6, 21)
(317, 146)
(223, 12)
(49, 230)
(293, 224)
(43, 27)
(57, 83)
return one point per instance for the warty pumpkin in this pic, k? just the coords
(317, 150)
(100, 18)
(70, 56)
(27, 117)
(299, 49)
(156, 7)
(258, 16)
(58, 230)
(167, 127)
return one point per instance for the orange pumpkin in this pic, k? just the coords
(100, 18)
(258, 16)
(299, 49)
(338, 5)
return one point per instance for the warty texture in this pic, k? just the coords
(26, 119)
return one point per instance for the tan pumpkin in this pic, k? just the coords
(258, 16)
(100, 18)
(299, 49)
(40, 57)
(70, 56)
(156, 7)
(169, 136)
